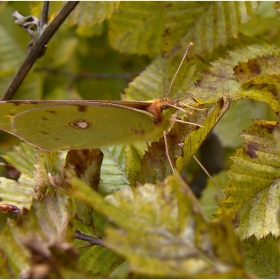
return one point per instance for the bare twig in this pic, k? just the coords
(45, 12)
(43, 24)
(90, 239)
(37, 48)
(88, 75)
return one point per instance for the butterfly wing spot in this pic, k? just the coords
(80, 124)
(44, 118)
(140, 132)
(16, 103)
(51, 112)
(82, 108)
(44, 132)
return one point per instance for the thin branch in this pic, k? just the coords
(88, 75)
(37, 48)
(90, 239)
(45, 12)
(43, 24)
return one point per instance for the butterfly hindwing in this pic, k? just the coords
(63, 126)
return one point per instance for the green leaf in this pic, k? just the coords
(239, 117)
(19, 193)
(222, 74)
(259, 70)
(89, 13)
(170, 241)
(253, 190)
(206, 24)
(137, 28)
(196, 137)
(156, 79)
(262, 257)
(162, 232)
(113, 174)
(22, 158)
(99, 260)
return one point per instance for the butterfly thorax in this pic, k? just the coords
(159, 109)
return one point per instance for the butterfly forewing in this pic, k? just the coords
(63, 126)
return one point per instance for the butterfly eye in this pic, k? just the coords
(80, 124)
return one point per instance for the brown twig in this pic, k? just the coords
(90, 239)
(38, 47)
(45, 12)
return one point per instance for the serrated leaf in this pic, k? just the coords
(221, 74)
(96, 259)
(195, 138)
(137, 28)
(260, 70)
(253, 190)
(206, 24)
(82, 191)
(155, 81)
(89, 13)
(99, 260)
(34, 180)
(160, 228)
(113, 175)
(239, 117)
(166, 245)
(19, 193)
(22, 158)
(262, 257)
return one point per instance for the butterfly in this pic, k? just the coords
(88, 124)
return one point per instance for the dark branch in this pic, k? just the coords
(90, 239)
(87, 75)
(37, 48)
(45, 12)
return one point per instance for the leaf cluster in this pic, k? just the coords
(122, 212)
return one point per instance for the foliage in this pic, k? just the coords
(122, 212)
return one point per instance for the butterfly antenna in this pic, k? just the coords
(209, 176)
(171, 84)
(191, 123)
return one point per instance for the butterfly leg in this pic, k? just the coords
(167, 151)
